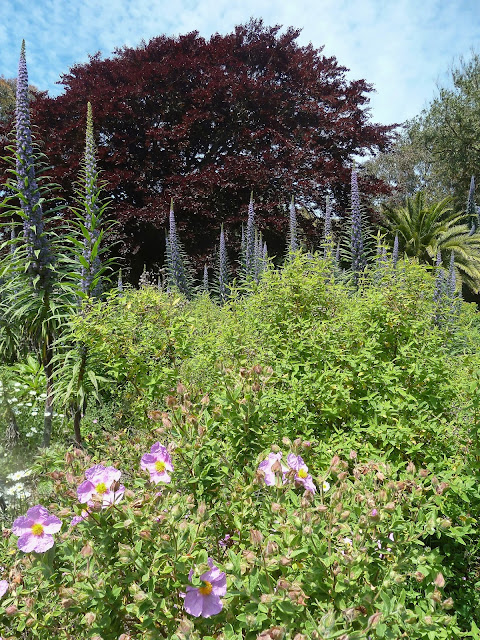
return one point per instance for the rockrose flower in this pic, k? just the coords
(77, 519)
(3, 588)
(269, 473)
(36, 529)
(158, 463)
(301, 472)
(205, 601)
(102, 486)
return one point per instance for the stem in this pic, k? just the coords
(47, 357)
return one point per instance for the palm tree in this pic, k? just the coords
(424, 232)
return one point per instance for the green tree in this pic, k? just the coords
(439, 151)
(407, 168)
(425, 230)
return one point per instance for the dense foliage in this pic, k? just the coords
(205, 122)
(359, 382)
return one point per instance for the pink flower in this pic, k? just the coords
(158, 463)
(102, 486)
(77, 519)
(205, 601)
(269, 473)
(3, 588)
(35, 530)
(301, 472)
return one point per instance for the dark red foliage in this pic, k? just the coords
(206, 122)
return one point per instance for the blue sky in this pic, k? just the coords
(403, 47)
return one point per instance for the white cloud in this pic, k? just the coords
(401, 47)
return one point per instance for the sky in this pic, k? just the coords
(404, 48)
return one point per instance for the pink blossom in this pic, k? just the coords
(102, 486)
(77, 519)
(266, 467)
(36, 529)
(301, 472)
(3, 588)
(158, 463)
(205, 601)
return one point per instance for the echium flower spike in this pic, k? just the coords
(33, 225)
(250, 241)
(439, 280)
(327, 228)
(176, 265)
(223, 270)
(205, 278)
(451, 280)
(92, 210)
(395, 252)
(120, 281)
(358, 257)
(293, 240)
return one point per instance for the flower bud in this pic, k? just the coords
(89, 618)
(145, 535)
(439, 581)
(271, 548)
(437, 596)
(86, 551)
(447, 604)
(11, 610)
(390, 506)
(256, 537)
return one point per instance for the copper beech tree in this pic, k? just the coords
(206, 122)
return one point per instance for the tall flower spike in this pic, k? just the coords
(33, 225)
(92, 211)
(223, 269)
(395, 252)
(451, 280)
(120, 281)
(205, 278)
(293, 240)
(176, 264)
(439, 280)
(471, 208)
(358, 257)
(327, 228)
(250, 241)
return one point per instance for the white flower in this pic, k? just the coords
(32, 393)
(34, 413)
(325, 486)
(13, 399)
(18, 475)
(29, 404)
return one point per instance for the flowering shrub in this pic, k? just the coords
(354, 559)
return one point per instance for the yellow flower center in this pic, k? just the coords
(101, 488)
(207, 589)
(37, 529)
(302, 473)
(159, 466)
